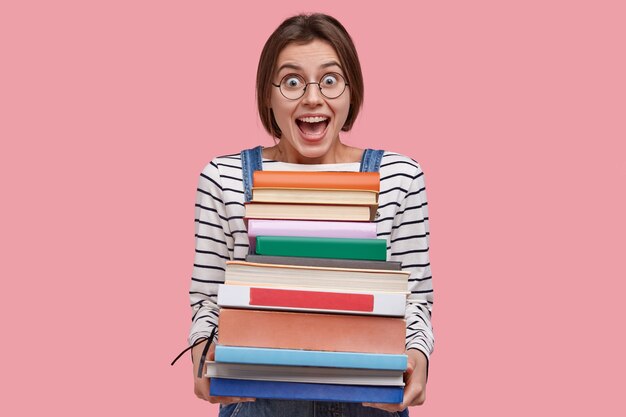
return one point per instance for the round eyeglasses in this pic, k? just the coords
(293, 86)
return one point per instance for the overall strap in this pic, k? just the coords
(371, 160)
(251, 160)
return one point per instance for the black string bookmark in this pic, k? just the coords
(204, 351)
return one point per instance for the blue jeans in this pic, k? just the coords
(288, 408)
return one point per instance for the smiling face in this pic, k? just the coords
(311, 124)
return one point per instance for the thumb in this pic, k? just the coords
(410, 366)
(411, 363)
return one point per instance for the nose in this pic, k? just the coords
(312, 94)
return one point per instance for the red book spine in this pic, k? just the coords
(311, 299)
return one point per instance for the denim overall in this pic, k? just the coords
(251, 160)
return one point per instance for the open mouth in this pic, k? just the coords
(312, 127)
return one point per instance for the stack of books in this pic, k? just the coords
(316, 312)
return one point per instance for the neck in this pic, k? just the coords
(338, 154)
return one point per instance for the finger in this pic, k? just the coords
(245, 400)
(406, 376)
(201, 388)
(415, 395)
(386, 406)
(410, 368)
(411, 364)
(419, 399)
(411, 393)
(216, 399)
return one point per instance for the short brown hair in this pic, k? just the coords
(303, 29)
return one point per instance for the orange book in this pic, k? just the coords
(311, 331)
(317, 180)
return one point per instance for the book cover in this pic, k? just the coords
(295, 357)
(317, 180)
(301, 391)
(260, 227)
(322, 247)
(293, 299)
(325, 262)
(311, 331)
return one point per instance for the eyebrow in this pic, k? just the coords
(299, 68)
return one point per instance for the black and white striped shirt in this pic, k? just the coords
(221, 235)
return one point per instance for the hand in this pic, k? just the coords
(414, 384)
(201, 385)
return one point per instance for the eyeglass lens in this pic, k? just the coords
(331, 85)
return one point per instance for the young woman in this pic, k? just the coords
(309, 89)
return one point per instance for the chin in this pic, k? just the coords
(313, 150)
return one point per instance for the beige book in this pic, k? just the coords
(286, 211)
(314, 196)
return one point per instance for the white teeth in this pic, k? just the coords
(315, 119)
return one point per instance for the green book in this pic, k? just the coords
(322, 247)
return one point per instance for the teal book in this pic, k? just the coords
(322, 247)
(298, 357)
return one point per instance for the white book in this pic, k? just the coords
(313, 196)
(299, 299)
(306, 374)
(317, 278)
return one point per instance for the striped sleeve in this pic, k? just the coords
(409, 242)
(214, 246)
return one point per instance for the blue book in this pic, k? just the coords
(309, 392)
(291, 357)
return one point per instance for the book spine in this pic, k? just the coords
(310, 212)
(311, 228)
(304, 228)
(318, 180)
(313, 247)
(312, 331)
(261, 356)
(292, 299)
(305, 391)
(324, 262)
(307, 374)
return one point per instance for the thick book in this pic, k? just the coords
(322, 247)
(293, 299)
(317, 180)
(294, 357)
(357, 230)
(289, 211)
(324, 262)
(311, 277)
(307, 374)
(301, 391)
(311, 331)
(309, 195)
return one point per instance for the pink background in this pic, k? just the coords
(109, 110)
